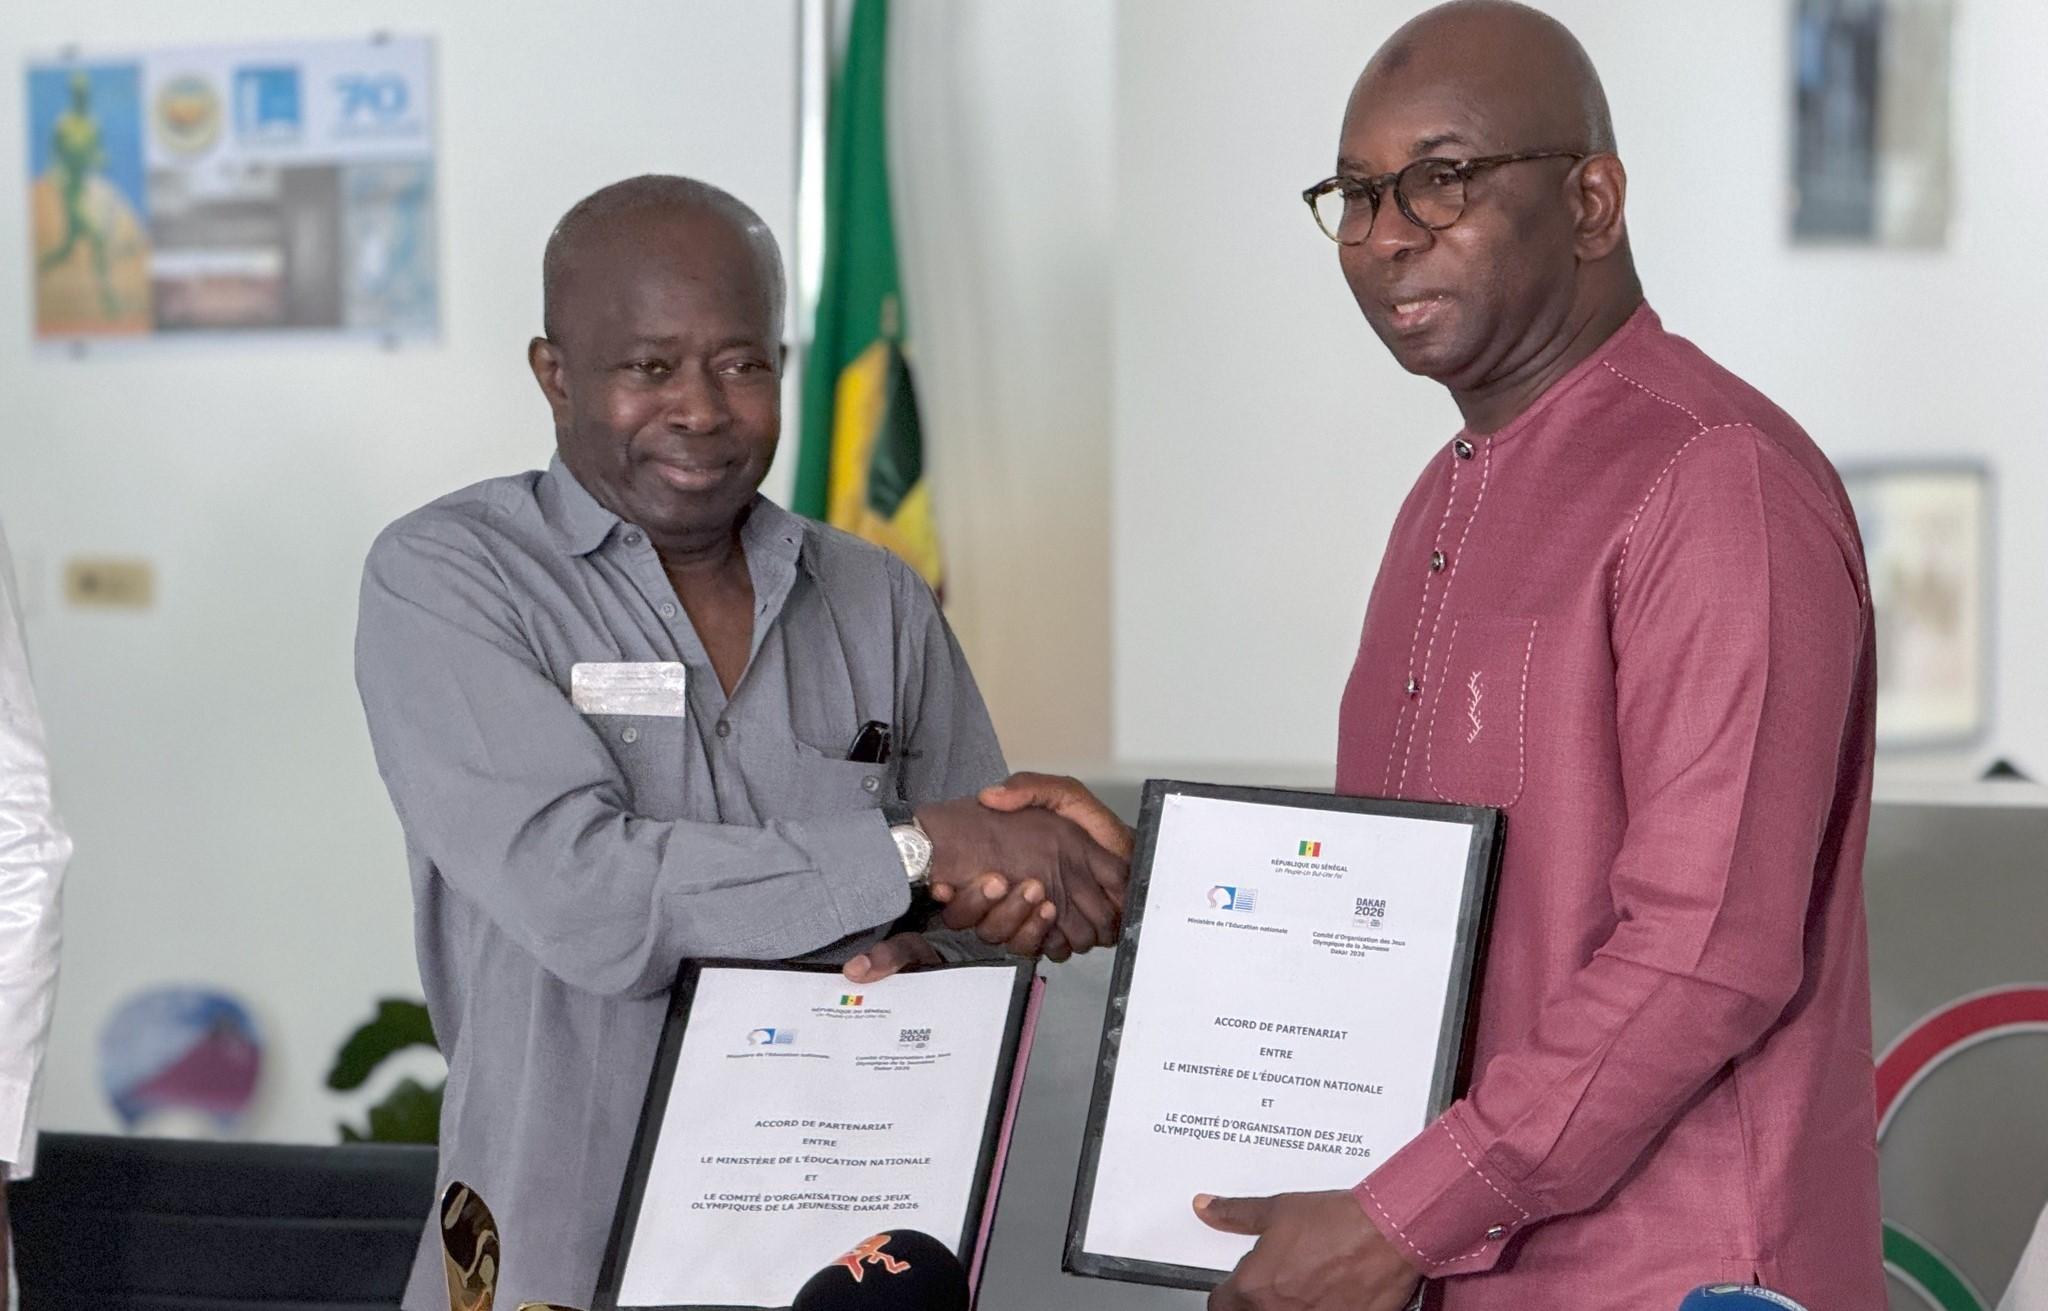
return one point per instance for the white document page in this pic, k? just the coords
(1283, 1019)
(807, 1114)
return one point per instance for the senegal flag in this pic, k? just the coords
(861, 463)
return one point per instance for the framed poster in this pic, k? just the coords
(1871, 156)
(183, 192)
(1927, 541)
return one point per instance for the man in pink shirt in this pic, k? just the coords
(1626, 604)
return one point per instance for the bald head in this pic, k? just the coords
(1515, 67)
(1490, 114)
(604, 228)
(662, 362)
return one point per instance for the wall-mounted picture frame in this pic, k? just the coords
(1927, 537)
(1871, 152)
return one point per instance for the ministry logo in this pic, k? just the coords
(770, 1037)
(1240, 901)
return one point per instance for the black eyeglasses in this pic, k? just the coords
(1430, 192)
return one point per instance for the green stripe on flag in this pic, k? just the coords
(860, 244)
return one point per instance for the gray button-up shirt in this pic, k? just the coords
(564, 864)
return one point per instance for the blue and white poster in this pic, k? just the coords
(223, 189)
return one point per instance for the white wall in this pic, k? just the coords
(209, 753)
(1002, 158)
(1264, 440)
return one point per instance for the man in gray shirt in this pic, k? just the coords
(613, 703)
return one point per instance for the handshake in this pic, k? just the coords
(1036, 865)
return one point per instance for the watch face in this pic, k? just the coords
(916, 850)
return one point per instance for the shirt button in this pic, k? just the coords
(1437, 562)
(724, 728)
(629, 734)
(1463, 448)
(1414, 686)
(668, 609)
(871, 784)
(1495, 1234)
(632, 539)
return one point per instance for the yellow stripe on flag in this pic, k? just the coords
(858, 408)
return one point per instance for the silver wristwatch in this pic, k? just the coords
(912, 843)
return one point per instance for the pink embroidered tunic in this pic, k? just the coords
(1636, 618)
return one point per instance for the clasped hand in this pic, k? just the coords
(1036, 865)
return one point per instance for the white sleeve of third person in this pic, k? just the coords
(2029, 1291)
(33, 852)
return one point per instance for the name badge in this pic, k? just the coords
(644, 687)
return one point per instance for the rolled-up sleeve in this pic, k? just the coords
(508, 790)
(1738, 631)
(34, 849)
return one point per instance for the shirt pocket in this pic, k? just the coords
(821, 784)
(652, 754)
(1477, 752)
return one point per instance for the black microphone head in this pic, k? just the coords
(899, 1270)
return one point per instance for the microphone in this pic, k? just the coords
(469, 1252)
(898, 1270)
(469, 1249)
(1737, 1297)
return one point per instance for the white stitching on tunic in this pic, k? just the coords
(1394, 742)
(1621, 561)
(1443, 603)
(1522, 720)
(1392, 1223)
(1697, 421)
(1614, 600)
(1475, 692)
(1521, 728)
(1429, 746)
(1481, 1173)
(1832, 508)
(1405, 1240)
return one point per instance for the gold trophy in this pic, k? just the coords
(469, 1253)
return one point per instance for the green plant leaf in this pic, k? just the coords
(398, 1024)
(411, 1114)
